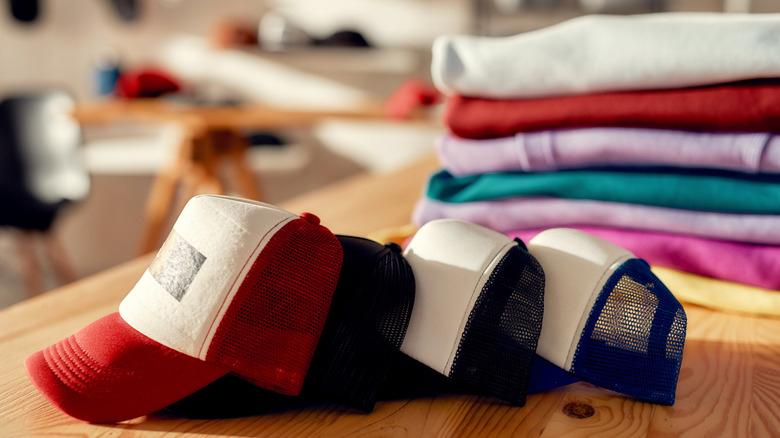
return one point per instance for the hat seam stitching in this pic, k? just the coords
(591, 302)
(64, 373)
(83, 354)
(475, 293)
(66, 360)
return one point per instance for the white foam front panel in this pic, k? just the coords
(451, 261)
(180, 300)
(576, 266)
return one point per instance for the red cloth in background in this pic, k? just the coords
(738, 106)
(146, 83)
(413, 93)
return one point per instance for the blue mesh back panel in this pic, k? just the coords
(498, 345)
(633, 340)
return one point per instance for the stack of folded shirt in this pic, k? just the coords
(654, 132)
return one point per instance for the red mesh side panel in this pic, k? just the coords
(279, 311)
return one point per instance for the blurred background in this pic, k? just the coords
(307, 55)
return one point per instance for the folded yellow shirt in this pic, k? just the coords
(719, 294)
(696, 289)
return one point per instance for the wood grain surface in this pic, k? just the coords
(729, 383)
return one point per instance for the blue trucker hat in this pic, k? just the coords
(608, 319)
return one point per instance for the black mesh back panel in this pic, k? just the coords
(498, 345)
(363, 332)
(633, 340)
(366, 324)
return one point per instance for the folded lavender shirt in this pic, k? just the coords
(524, 213)
(755, 265)
(753, 152)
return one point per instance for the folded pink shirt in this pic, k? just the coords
(755, 265)
(544, 151)
(525, 213)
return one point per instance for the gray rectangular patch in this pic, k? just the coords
(176, 264)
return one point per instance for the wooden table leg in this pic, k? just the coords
(207, 160)
(196, 171)
(31, 271)
(60, 261)
(240, 172)
(161, 196)
(201, 174)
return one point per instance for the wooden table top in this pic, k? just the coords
(729, 383)
(216, 116)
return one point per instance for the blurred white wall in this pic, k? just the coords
(62, 46)
(385, 23)
(69, 37)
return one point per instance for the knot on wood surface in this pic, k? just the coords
(578, 410)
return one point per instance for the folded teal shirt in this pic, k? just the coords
(706, 191)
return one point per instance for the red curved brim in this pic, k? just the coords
(109, 372)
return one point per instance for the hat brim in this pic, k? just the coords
(109, 372)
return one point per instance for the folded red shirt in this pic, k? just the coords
(738, 106)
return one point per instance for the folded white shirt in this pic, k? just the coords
(603, 53)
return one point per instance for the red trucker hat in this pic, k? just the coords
(238, 287)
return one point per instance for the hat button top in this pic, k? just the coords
(310, 217)
(394, 247)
